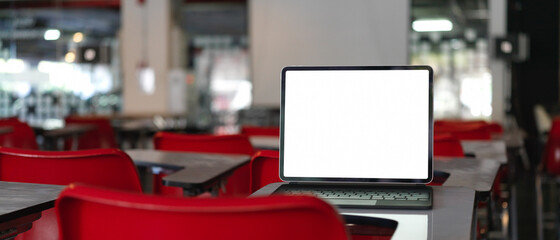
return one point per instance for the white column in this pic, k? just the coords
(501, 81)
(145, 43)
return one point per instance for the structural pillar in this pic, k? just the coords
(147, 46)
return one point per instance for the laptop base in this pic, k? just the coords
(378, 197)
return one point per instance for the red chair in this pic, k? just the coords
(445, 145)
(103, 167)
(22, 135)
(94, 213)
(494, 128)
(478, 126)
(264, 168)
(9, 119)
(467, 132)
(238, 182)
(260, 131)
(103, 136)
(552, 149)
(549, 172)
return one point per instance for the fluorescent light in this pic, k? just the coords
(12, 66)
(52, 34)
(432, 25)
(54, 67)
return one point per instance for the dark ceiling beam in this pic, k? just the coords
(87, 3)
(60, 3)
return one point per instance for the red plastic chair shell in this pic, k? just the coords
(103, 136)
(238, 182)
(445, 145)
(264, 169)
(92, 213)
(552, 150)
(22, 135)
(260, 131)
(102, 167)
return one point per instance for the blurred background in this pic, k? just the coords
(210, 59)
(216, 63)
(211, 66)
(194, 58)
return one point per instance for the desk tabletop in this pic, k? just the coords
(450, 218)
(69, 130)
(20, 199)
(193, 170)
(493, 149)
(134, 125)
(265, 142)
(473, 173)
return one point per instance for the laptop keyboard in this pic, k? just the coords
(383, 196)
(377, 194)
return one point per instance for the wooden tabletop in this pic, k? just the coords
(69, 130)
(265, 142)
(194, 171)
(20, 199)
(494, 149)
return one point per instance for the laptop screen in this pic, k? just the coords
(356, 124)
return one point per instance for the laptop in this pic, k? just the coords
(358, 136)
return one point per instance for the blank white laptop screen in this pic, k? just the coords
(369, 124)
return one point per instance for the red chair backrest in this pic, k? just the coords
(260, 131)
(462, 125)
(232, 144)
(103, 167)
(83, 211)
(238, 184)
(552, 150)
(103, 136)
(22, 135)
(9, 119)
(445, 145)
(264, 168)
(465, 132)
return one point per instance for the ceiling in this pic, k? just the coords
(26, 20)
(26, 28)
(464, 14)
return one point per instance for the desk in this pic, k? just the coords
(450, 218)
(265, 142)
(6, 129)
(472, 173)
(195, 172)
(54, 137)
(134, 131)
(22, 203)
(493, 149)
